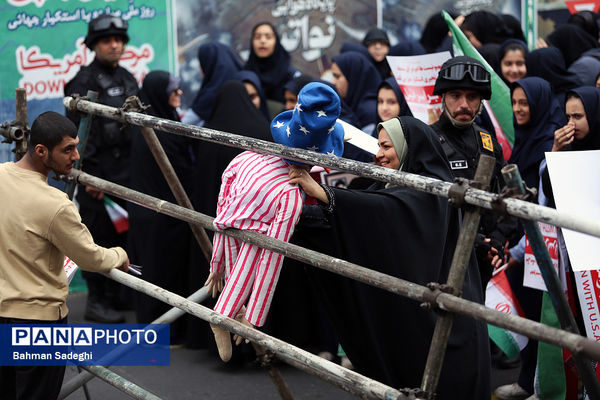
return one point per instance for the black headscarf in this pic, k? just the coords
(590, 97)
(487, 27)
(234, 113)
(154, 92)
(363, 81)
(391, 83)
(394, 234)
(572, 41)
(514, 25)
(407, 48)
(249, 76)
(378, 34)
(218, 63)
(435, 31)
(548, 63)
(274, 71)
(586, 20)
(536, 137)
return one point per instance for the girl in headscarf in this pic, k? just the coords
(536, 116)
(377, 43)
(269, 60)
(218, 63)
(583, 129)
(378, 345)
(356, 81)
(255, 91)
(548, 63)
(512, 55)
(390, 101)
(157, 240)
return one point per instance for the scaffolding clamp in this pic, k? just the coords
(498, 204)
(456, 193)
(416, 394)
(435, 289)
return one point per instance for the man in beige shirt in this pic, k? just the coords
(39, 226)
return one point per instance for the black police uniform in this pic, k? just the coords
(463, 147)
(106, 156)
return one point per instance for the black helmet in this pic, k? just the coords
(463, 73)
(105, 25)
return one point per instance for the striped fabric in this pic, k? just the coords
(255, 195)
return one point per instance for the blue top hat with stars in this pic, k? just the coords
(311, 125)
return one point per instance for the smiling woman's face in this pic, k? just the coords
(386, 156)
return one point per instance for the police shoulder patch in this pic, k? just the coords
(486, 141)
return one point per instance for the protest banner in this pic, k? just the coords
(416, 76)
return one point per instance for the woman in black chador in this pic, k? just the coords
(407, 234)
(158, 242)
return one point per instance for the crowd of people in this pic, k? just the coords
(401, 232)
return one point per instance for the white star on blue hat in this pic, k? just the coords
(297, 107)
(303, 129)
(321, 113)
(278, 124)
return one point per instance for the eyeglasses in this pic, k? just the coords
(458, 71)
(102, 24)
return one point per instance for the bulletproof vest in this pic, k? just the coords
(464, 165)
(112, 91)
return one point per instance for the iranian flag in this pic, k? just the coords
(499, 106)
(118, 215)
(499, 296)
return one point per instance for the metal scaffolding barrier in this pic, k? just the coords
(434, 298)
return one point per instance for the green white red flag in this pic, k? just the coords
(118, 215)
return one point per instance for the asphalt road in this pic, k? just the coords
(200, 374)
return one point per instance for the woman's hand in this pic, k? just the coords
(300, 176)
(563, 137)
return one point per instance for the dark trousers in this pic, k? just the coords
(30, 382)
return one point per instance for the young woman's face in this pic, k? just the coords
(339, 80)
(264, 41)
(520, 106)
(378, 50)
(175, 98)
(253, 94)
(576, 115)
(513, 66)
(387, 104)
(386, 156)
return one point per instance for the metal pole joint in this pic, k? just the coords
(499, 205)
(416, 394)
(435, 289)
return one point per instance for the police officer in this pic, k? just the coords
(463, 83)
(107, 151)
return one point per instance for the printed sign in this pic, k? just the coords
(533, 277)
(42, 46)
(416, 76)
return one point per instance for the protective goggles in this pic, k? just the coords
(458, 71)
(103, 24)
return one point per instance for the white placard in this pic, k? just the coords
(575, 177)
(416, 76)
